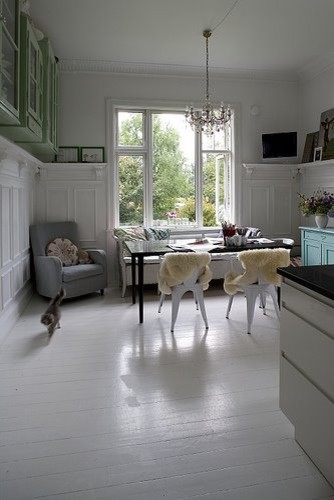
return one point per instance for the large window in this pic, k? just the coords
(167, 174)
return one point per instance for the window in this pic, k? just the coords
(166, 173)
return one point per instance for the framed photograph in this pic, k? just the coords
(326, 134)
(317, 154)
(92, 154)
(311, 142)
(67, 154)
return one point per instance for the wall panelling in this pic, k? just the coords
(17, 179)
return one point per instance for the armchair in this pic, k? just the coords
(51, 275)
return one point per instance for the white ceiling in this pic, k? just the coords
(286, 37)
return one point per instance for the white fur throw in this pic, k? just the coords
(178, 266)
(257, 263)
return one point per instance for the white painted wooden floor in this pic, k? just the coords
(114, 410)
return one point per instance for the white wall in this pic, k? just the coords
(17, 178)
(317, 95)
(74, 192)
(83, 104)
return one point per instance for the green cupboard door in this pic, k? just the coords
(312, 253)
(32, 88)
(35, 75)
(54, 115)
(52, 92)
(9, 68)
(327, 254)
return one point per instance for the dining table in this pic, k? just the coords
(139, 249)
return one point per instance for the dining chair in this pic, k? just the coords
(182, 272)
(259, 278)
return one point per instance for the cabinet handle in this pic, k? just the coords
(3, 18)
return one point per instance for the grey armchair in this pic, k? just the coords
(50, 274)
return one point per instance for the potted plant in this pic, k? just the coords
(319, 204)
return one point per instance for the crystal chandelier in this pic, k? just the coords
(208, 120)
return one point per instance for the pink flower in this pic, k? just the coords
(171, 214)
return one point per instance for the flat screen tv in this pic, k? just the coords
(279, 145)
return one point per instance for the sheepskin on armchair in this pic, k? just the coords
(262, 263)
(178, 266)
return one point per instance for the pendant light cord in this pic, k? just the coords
(226, 15)
(207, 34)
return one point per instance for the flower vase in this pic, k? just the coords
(321, 220)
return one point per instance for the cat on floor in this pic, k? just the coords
(51, 317)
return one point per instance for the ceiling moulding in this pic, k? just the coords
(316, 66)
(90, 66)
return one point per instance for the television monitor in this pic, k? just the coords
(279, 145)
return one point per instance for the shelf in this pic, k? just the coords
(98, 167)
(250, 167)
(324, 163)
(294, 167)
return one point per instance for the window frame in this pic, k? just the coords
(148, 108)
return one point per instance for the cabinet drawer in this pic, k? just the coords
(320, 236)
(310, 235)
(326, 238)
(312, 310)
(312, 414)
(309, 350)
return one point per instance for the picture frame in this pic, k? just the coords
(311, 142)
(67, 154)
(92, 154)
(317, 156)
(326, 134)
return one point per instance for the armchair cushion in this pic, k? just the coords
(64, 249)
(79, 272)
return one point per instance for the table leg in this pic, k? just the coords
(133, 277)
(141, 287)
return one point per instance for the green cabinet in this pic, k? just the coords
(29, 128)
(317, 246)
(9, 62)
(46, 145)
(36, 127)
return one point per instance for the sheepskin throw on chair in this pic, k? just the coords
(257, 263)
(177, 267)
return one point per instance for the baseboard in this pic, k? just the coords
(13, 311)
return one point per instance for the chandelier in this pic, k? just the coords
(208, 120)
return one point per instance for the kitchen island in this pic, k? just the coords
(307, 360)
